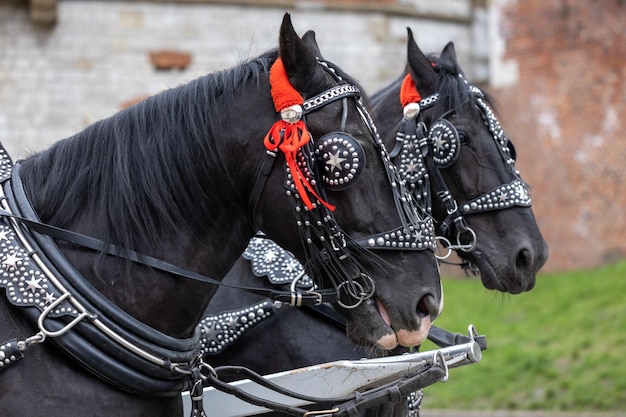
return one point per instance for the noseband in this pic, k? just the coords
(335, 161)
(423, 153)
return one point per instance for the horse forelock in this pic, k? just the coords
(134, 167)
(452, 90)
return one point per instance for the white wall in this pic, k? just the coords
(54, 82)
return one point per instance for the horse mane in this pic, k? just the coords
(453, 93)
(130, 168)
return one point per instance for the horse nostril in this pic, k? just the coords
(428, 306)
(524, 259)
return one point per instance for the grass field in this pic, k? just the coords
(561, 346)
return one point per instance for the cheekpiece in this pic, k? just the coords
(444, 142)
(278, 265)
(411, 166)
(342, 159)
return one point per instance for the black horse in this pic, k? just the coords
(147, 204)
(503, 241)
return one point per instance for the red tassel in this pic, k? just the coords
(283, 93)
(290, 137)
(408, 92)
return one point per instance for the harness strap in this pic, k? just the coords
(297, 299)
(259, 184)
(93, 331)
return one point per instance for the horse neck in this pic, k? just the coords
(151, 194)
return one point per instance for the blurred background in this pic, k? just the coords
(556, 69)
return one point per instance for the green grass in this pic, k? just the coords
(558, 347)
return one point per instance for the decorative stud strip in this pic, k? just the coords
(219, 331)
(270, 260)
(502, 197)
(414, 402)
(6, 165)
(429, 101)
(411, 167)
(26, 285)
(418, 237)
(332, 94)
(9, 354)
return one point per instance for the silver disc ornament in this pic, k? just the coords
(341, 159)
(445, 144)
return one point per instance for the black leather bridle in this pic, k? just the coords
(437, 147)
(324, 240)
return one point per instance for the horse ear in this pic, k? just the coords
(311, 42)
(300, 63)
(449, 54)
(420, 67)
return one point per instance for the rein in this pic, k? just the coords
(68, 310)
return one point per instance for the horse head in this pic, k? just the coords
(479, 199)
(336, 202)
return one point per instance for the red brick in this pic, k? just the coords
(572, 60)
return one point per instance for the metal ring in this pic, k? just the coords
(446, 245)
(371, 284)
(439, 359)
(469, 247)
(359, 298)
(360, 294)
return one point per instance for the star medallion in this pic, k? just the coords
(412, 167)
(211, 331)
(440, 142)
(49, 298)
(334, 161)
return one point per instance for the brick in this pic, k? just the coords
(571, 54)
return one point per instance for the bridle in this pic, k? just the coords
(331, 252)
(423, 152)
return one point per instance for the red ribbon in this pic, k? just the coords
(290, 137)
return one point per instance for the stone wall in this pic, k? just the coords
(56, 79)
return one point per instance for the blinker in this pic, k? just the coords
(341, 159)
(444, 142)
